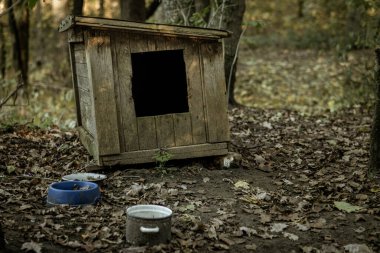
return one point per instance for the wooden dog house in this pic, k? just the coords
(141, 88)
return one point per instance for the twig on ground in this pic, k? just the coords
(12, 94)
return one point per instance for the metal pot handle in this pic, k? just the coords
(149, 230)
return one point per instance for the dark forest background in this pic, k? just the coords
(314, 56)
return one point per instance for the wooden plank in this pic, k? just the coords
(88, 142)
(83, 83)
(137, 43)
(87, 121)
(146, 133)
(75, 83)
(182, 129)
(155, 43)
(80, 56)
(195, 92)
(149, 28)
(99, 62)
(75, 35)
(214, 90)
(165, 131)
(123, 82)
(184, 152)
(81, 69)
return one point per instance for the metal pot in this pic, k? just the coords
(148, 224)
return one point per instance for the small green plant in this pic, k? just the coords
(162, 156)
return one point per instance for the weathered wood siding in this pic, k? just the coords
(84, 89)
(185, 129)
(100, 69)
(214, 88)
(102, 76)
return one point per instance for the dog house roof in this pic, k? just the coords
(148, 28)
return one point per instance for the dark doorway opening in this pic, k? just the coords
(159, 83)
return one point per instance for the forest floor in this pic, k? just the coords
(300, 186)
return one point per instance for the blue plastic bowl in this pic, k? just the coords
(73, 193)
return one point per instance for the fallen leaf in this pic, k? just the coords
(347, 207)
(248, 231)
(291, 236)
(32, 246)
(301, 227)
(259, 159)
(206, 179)
(359, 230)
(242, 184)
(10, 169)
(252, 247)
(25, 206)
(278, 227)
(357, 248)
(265, 218)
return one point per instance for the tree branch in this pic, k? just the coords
(13, 93)
(10, 8)
(233, 64)
(152, 8)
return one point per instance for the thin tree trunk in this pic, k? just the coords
(301, 4)
(229, 16)
(178, 11)
(24, 43)
(2, 51)
(132, 10)
(78, 8)
(101, 8)
(374, 162)
(16, 45)
(152, 8)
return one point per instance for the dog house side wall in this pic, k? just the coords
(82, 90)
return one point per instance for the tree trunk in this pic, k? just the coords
(24, 43)
(152, 8)
(374, 162)
(78, 8)
(101, 8)
(132, 10)
(2, 52)
(178, 11)
(17, 50)
(229, 15)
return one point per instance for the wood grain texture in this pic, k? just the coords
(80, 56)
(88, 142)
(75, 83)
(147, 133)
(182, 129)
(214, 87)
(99, 62)
(195, 92)
(165, 131)
(123, 80)
(137, 43)
(144, 28)
(75, 35)
(184, 152)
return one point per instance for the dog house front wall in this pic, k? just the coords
(108, 125)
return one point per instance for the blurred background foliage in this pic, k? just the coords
(313, 56)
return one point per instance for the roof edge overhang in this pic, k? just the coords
(149, 28)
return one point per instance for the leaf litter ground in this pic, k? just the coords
(300, 184)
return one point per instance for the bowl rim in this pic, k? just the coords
(97, 177)
(82, 183)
